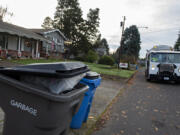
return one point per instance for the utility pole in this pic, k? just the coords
(142, 27)
(122, 24)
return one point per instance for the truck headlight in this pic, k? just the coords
(179, 70)
(153, 67)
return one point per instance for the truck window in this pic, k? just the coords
(154, 57)
(165, 57)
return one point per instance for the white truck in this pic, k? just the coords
(162, 63)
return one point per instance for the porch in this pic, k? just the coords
(19, 42)
(16, 46)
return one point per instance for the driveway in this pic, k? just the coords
(145, 108)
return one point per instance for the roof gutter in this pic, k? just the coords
(24, 35)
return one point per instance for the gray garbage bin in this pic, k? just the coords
(32, 109)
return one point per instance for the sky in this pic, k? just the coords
(162, 17)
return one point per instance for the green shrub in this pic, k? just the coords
(80, 58)
(106, 60)
(91, 56)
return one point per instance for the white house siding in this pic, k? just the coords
(12, 42)
(22, 44)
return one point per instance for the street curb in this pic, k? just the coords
(91, 129)
(132, 76)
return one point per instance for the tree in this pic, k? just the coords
(105, 44)
(4, 12)
(68, 18)
(115, 55)
(101, 43)
(89, 33)
(83, 33)
(130, 44)
(48, 23)
(91, 25)
(97, 43)
(177, 44)
(91, 56)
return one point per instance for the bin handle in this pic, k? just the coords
(44, 94)
(74, 103)
(75, 106)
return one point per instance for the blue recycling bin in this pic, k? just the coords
(93, 80)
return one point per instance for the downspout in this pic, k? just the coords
(19, 47)
(37, 46)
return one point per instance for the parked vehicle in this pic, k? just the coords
(123, 65)
(162, 63)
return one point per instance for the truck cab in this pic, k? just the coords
(162, 65)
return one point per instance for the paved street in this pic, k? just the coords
(145, 108)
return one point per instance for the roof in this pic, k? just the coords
(164, 51)
(45, 31)
(19, 31)
(40, 31)
(161, 47)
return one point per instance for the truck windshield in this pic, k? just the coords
(165, 57)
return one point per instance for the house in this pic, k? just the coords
(16, 41)
(54, 48)
(101, 50)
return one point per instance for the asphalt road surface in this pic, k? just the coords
(145, 108)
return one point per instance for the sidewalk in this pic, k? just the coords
(7, 64)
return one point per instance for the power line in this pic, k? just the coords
(150, 40)
(154, 42)
(175, 28)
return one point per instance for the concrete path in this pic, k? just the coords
(8, 64)
(145, 108)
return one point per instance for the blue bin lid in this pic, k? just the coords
(92, 75)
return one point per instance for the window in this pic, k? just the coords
(58, 48)
(27, 45)
(2, 41)
(165, 57)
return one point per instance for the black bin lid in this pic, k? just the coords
(60, 69)
(92, 75)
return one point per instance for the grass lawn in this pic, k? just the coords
(108, 70)
(99, 68)
(30, 61)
